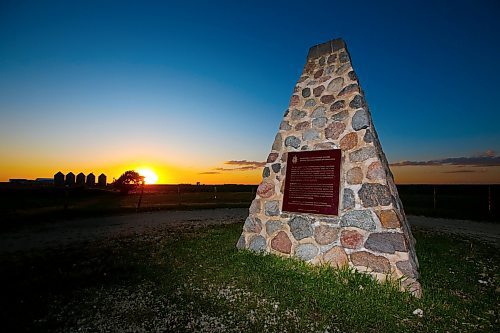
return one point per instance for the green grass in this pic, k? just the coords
(197, 281)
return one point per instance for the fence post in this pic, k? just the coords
(179, 193)
(490, 202)
(434, 197)
(215, 192)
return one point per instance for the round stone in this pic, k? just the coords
(272, 226)
(352, 88)
(306, 251)
(318, 73)
(306, 92)
(310, 103)
(324, 145)
(372, 195)
(343, 69)
(252, 224)
(351, 239)
(375, 171)
(332, 58)
(362, 154)
(241, 242)
(340, 115)
(254, 207)
(327, 99)
(298, 114)
(272, 208)
(278, 141)
(265, 189)
(292, 141)
(343, 57)
(360, 120)
(318, 91)
(285, 126)
(302, 125)
(318, 112)
(357, 102)
(294, 100)
(321, 61)
(336, 257)
(376, 263)
(358, 218)
(349, 141)
(276, 167)
(310, 134)
(386, 242)
(348, 199)
(368, 138)
(352, 76)
(319, 122)
(334, 130)
(338, 105)
(281, 243)
(266, 172)
(257, 243)
(335, 85)
(325, 234)
(300, 227)
(354, 176)
(389, 219)
(272, 157)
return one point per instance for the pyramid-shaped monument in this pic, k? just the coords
(327, 194)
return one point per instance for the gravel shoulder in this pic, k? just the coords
(60, 234)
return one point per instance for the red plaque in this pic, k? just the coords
(312, 183)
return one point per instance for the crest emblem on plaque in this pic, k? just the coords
(295, 159)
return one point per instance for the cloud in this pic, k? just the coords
(463, 171)
(236, 165)
(209, 173)
(486, 159)
(253, 164)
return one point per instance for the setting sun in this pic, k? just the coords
(150, 177)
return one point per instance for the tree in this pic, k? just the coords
(129, 181)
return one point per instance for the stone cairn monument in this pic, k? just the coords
(327, 194)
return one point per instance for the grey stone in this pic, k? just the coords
(254, 207)
(352, 76)
(349, 89)
(306, 147)
(306, 251)
(312, 83)
(360, 120)
(310, 134)
(357, 102)
(343, 69)
(319, 122)
(306, 92)
(373, 194)
(278, 141)
(331, 220)
(329, 70)
(272, 208)
(292, 141)
(241, 242)
(310, 103)
(337, 105)
(266, 172)
(343, 57)
(318, 112)
(257, 243)
(348, 199)
(325, 145)
(362, 154)
(358, 218)
(276, 167)
(272, 226)
(321, 61)
(325, 234)
(406, 268)
(335, 85)
(285, 126)
(386, 242)
(298, 114)
(368, 138)
(300, 227)
(340, 115)
(252, 224)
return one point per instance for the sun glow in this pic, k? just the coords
(150, 177)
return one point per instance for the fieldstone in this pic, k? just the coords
(272, 208)
(298, 114)
(306, 251)
(375, 171)
(266, 172)
(321, 61)
(354, 176)
(325, 234)
(309, 67)
(349, 141)
(358, 218)
(305, 147)
(330, 70)
(302, 125)
(252, 224)
(312, 83)
(362, 154)
(340, 115)
(294, 100)
(318, 73)
(351, 239)
(348, 199)
(334, 220)
(352, 88)
(352, 76)
(386, 242)
(332, 58)
(254, 207)
(376, 263)
(310, 134)
(357, 102)
(368, 138)
(324, 145)
(412, 286)
(285, 126)
(310, 103)
(372, 194)
(336, 257)
(334, 130)
(300, 227)
(389, 219)
(284, 157)
(407, 269)
(327, 99)
(335, 85)
(343, 57)
(306, 92)
(265, 189)
(292, 141)
(360, 120)
(318, 112)
(343, 69)
(319, 122)
(278, 141)
(337, 105)
(318, 91)
(276, 167)
(303, 78)
(241, 243)
(272, 157)
(272, 226)
(257, 243)
(281, 243)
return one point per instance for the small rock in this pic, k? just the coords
(298, 114)
(349, 141)
(302, 125)
(354, 176)
(285, 126)
(343, 69)
(257, 243)
(351, 239)
(332, 58)
(272, 157)
(419, 312)
(337, 105)
(319, 122)
(318, 73)
(357, 102)
(265, 189)
(358, 218)
(335, 85)
(352, 76)
(272, 208)
(348, 199)
(336, 257)
(373, 194)
(360, 120)
(352, 88)
(386, 242)
(254, 207)
(310, 134)
(294, 101)
(389, 219)
(362, 154)
(334, 130)
(266, 172)
(324, 145)
(252, 224)
(292, 141)
(375, 171)
(306, 92)
(343, 57)
(306, 251)
(318, 91)
(281, 243)
(241, 242)
(276, 167)
(377, 264)
(277, 142)
(318, 112)
(340, 115)
(310, 103)
(272, 226)
(327, 99)
(368, 138)
(300, 227)
(325, 235)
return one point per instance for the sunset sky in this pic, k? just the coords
(196, 90)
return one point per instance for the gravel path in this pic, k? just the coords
(57, 234)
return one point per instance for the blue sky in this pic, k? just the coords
(161, 81)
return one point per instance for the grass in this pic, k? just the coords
(195, 280)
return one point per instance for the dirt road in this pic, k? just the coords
(57, 234)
